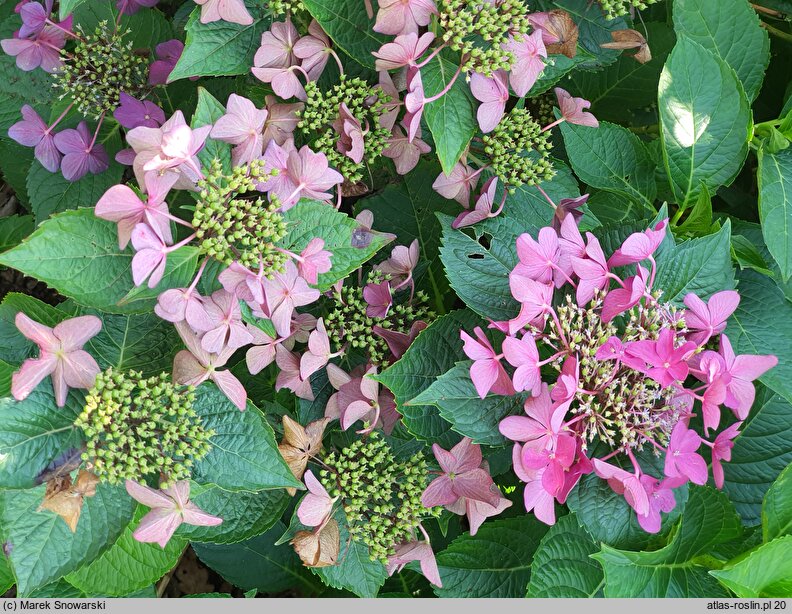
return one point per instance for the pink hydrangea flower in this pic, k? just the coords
(305, 174)
(351, 141)
(415, 551)
(284, 292)
(535, 497)
(458, 185)
(487, 372)
(639, 246)
(314, 260)
(405, 153)
(314, 50)
(281, 121)
(493, 93)
(170, 507)
(242, 126)
(32, 131)
(572, 109)
(666, 364)
(289, 377)
(681, 459)
(226, 327)
(461, 476)
(403, 51)
(722, 451)
(403, 16)
(705, 320)
(316, 506)
(529, 53)
(60, 355)
(535, 301)
(743, 370)
(233, 11)
(626, 483)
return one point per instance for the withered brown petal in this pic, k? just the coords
(630, 39)
(85, 484)
(563, 27)
(318, 548)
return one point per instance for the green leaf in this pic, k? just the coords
(13, 229)
(349, 244)
(244, 454)
(34, 432)
(495, 562)
(146, 28)
(702, 266)
(77, 254)
(355, 571)
(704, 119)
(731, 30)
(611, 158)
(43, 548)
(407, 209)
(128, 565)
(454, 394)
(760, 453)
(179, 272)
(777, 507)
(766, 572)
(244, 514)
(699, 220)
(6, 371)
(748, 256)
(258, 564)
(452, 118)
(66, 7)
(347, 23)
(220, 48)
(435, 351)
(208, 111)
(675, 570)
(562, 566)
(478, 277)
(51, 193)
(762, 324)
(775, 206)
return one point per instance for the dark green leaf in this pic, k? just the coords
(766, 572)
(13, 229)
(777, 507)
(775, 206)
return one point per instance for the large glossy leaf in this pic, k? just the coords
(777, 507)
(13, 229)
(43, 548)
(452, 118)
(208, 111)
(765, 572)
(434, 352)
(731, 30)
(35, 432)
(244, 454)
(495, 562)
(77, 254)
(704, 120)
(562, 565)
(775, 206)
(349, 26)
(128, 565)
(675, 570)
(220, 48)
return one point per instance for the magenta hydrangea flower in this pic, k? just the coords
(60, 355)
(487, 372)
(167, 54)
(170, 507)
(41, 49)
(130, 7)
(705, 320)
(722, 451)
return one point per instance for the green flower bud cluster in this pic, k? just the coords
(349, 325)
(477, 29)
(617, 8)
(627, 406)
(276, 8)
(541, 107)
(381, 496)
(519, 150)
(138, 427)
(366, 103)
(99, 68)
(238, 229)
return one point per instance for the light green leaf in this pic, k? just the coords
(704, 119)
(349, 244)
(699, 220)
(611, 158)
(762, 324)
(66, 7)
(43, 548)
(407, 209)
(258, 563)
(347, 23)
(6, 371)
(220, 48)
(244, 454)
(766, 572)
(675, 570)
(208, 111)
(760, 453)
(454, 394)
(452, 118)
(775, 206)
(77, 254)
(777, 507)
(13, 229)
(128, 565)
(495, 562)
(562, 566)
(244, 514)
(731, 30)
(434, 352)
(34, 432)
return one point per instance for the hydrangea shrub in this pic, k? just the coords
(415, 298)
